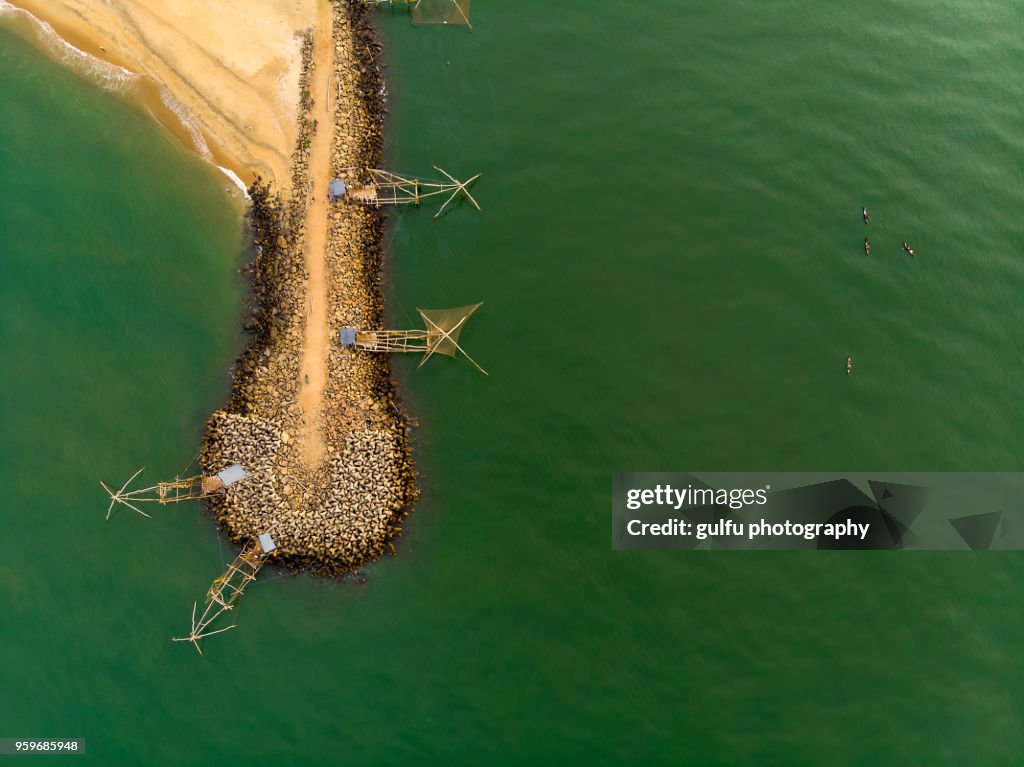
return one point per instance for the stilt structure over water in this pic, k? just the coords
(187, 489)
(371, 186)
(441, 335)
(431, 11)
(228, 588)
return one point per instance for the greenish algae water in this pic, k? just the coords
(671, 259)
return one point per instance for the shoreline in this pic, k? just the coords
(331, 480)
(149, 77)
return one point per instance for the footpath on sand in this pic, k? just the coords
(317, 426)
(315, 347)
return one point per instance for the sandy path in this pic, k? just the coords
(316, 346)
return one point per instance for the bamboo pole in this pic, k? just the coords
(224, 592)
(178, 490)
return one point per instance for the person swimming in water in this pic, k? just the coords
(867, 247)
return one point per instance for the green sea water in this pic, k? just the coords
(671, 258)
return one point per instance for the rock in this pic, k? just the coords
(347, 510)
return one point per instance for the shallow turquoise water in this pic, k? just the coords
(671, 259)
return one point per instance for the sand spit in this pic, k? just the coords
(220, 75)
(341, 508)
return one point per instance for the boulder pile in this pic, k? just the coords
(334, 517)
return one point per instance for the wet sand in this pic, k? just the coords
(220, 75)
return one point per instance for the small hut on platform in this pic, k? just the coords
(440, 336)
(336, 189)
(375, 187)
(179, 489)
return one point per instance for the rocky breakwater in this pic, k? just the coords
(335, 516)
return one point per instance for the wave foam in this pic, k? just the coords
(235, 180)
(112, 78)
(185, 118)
(108, 76)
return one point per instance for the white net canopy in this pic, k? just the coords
(441, 12)
(443, 329)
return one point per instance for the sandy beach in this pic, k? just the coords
(225, 72)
